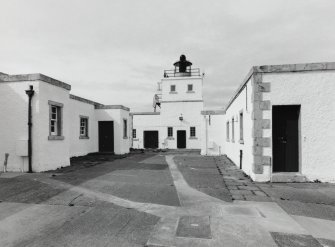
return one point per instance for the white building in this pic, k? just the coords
(279, 125)
(63, 125)
(178, 123)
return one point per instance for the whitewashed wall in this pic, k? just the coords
(13, 123)
(243, 102)
(51, 153)
(79, 146)
(213, 135)
(145, 123)
(314, 92)
(121, 144)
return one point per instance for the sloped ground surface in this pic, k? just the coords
(201, 173)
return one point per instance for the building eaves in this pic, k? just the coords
(75, 97)
(144, 113)
(112, 107)
(213, 112)
(34, 77)
(284, 68)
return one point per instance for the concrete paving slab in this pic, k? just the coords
(239, 231)
(294, 240)
(194, 227)
(318, 228)
(164, 233)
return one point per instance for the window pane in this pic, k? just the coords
(190, 87)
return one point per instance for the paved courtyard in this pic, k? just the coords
(161, 199)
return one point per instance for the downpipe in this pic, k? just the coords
(30, 94)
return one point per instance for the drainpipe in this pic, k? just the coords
(30, 94)
(206, 129)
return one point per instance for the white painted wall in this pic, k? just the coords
(181, 88)
(243, 102)
(213, 135)
(121, 144)
(313, 91)
(13, 122)
(79, 146)
(145, 123)
(51, 153)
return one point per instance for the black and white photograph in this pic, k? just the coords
(165, 123)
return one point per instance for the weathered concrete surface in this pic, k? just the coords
(129, 202)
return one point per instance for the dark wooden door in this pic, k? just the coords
(181, 138)
(285, 138)
(150, 139)
(106, 136)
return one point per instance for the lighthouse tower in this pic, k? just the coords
(176, 120)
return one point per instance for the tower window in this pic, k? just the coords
(173, 88)
(190, 87)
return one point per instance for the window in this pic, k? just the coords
(192, 132)
(55, 121)
(170, 132)
(227, 131)
(125, 130)
(190, 87)
(241, 127)
(232, 130)
(83, 127)
(134, 133)
(173, 88)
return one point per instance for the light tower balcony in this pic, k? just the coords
(189, 72)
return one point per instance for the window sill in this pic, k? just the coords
(241, 141)
(193, 137)
(135, 139)
(170, 138)
(190, 92)
(173, 92)
(227, 140)
(84, 137)
(233, 141)
(125, 137)
(54, 138)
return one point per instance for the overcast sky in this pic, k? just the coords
(115, 51)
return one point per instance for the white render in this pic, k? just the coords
(307, 85)
(181, 103)
(51, 154)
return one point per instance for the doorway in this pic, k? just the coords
(285, 138)
(181, 138)
(106, 136)
(150, 139)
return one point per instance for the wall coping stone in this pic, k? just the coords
(283, 68)
(34, 77)
(106, 107)
(213, 112)
(144, 113)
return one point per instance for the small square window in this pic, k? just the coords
(172, 88)
(83, 127)
(190, 87)
(134, 133)
(192, 132)
(170, 132)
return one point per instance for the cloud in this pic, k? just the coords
(116, 51)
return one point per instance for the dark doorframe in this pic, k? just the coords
(150, 138)
(285, 138)
(181, 138)
(106, 136)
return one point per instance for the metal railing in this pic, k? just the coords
(175, 73)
